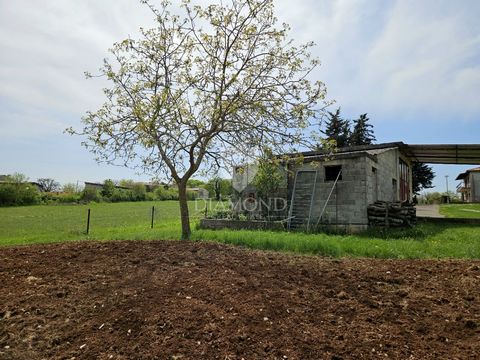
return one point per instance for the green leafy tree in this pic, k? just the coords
(362, 133)
(139, 191)
(108, 188)
(422, 177)
(195, 183)
(269, 177)
(17, 190)
(203, 89)
(219, 188)
(128, 183)
(337, 129)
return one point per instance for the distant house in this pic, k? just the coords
(469, 188)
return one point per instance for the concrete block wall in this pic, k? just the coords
(386, 166)
(351, 194)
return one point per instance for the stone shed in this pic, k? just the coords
(332, 189)
(325, 189)
(335, 189)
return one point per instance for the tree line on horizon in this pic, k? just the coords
(18, 190)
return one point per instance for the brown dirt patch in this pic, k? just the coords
(184, 300)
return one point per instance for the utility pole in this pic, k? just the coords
(448, 197)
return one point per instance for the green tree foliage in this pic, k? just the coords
(139, 191)
(108, 188)
(16, 190)
(337, 129)
(219, 188)
(209, 85)
(91, 194)
(128, 183)
(362, 133)
(269, 176)
(422, 177)
(195, 183)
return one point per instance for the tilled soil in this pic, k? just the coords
(185, 300)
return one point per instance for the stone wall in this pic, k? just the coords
(347, 205)
(380, 186)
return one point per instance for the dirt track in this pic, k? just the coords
(182, 300)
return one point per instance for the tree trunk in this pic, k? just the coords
(184, 215)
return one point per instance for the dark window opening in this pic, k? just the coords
(331, 172)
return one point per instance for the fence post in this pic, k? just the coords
(88, 221)
(153, 214)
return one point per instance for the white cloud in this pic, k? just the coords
(399, 57)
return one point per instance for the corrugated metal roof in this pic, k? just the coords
(461, 154)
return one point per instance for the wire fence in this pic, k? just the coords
(54, 221)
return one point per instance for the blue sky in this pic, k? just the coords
(413, 66)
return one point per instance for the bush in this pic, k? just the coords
(90, 194)
(119, 195)
(63, 198)
(59, 198)
(18, 194)
(222, 214)
(7, 195)
(150, 196)
(108, 188)
(166, 194)
(139, 192)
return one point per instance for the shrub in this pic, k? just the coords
(63, 198)
(18, 194)
(90, 194)
(7, 195)
(166, 194)
(108, 188)
(150, 196)
(138, 192)
(119, 195)
(59, 198)
(221, 214)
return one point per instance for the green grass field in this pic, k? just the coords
(466, 211)
(131, 221)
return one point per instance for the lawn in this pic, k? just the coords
(466, 211)
(131, 221)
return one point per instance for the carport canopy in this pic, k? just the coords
(461, 154)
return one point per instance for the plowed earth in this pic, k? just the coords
(186, 300)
